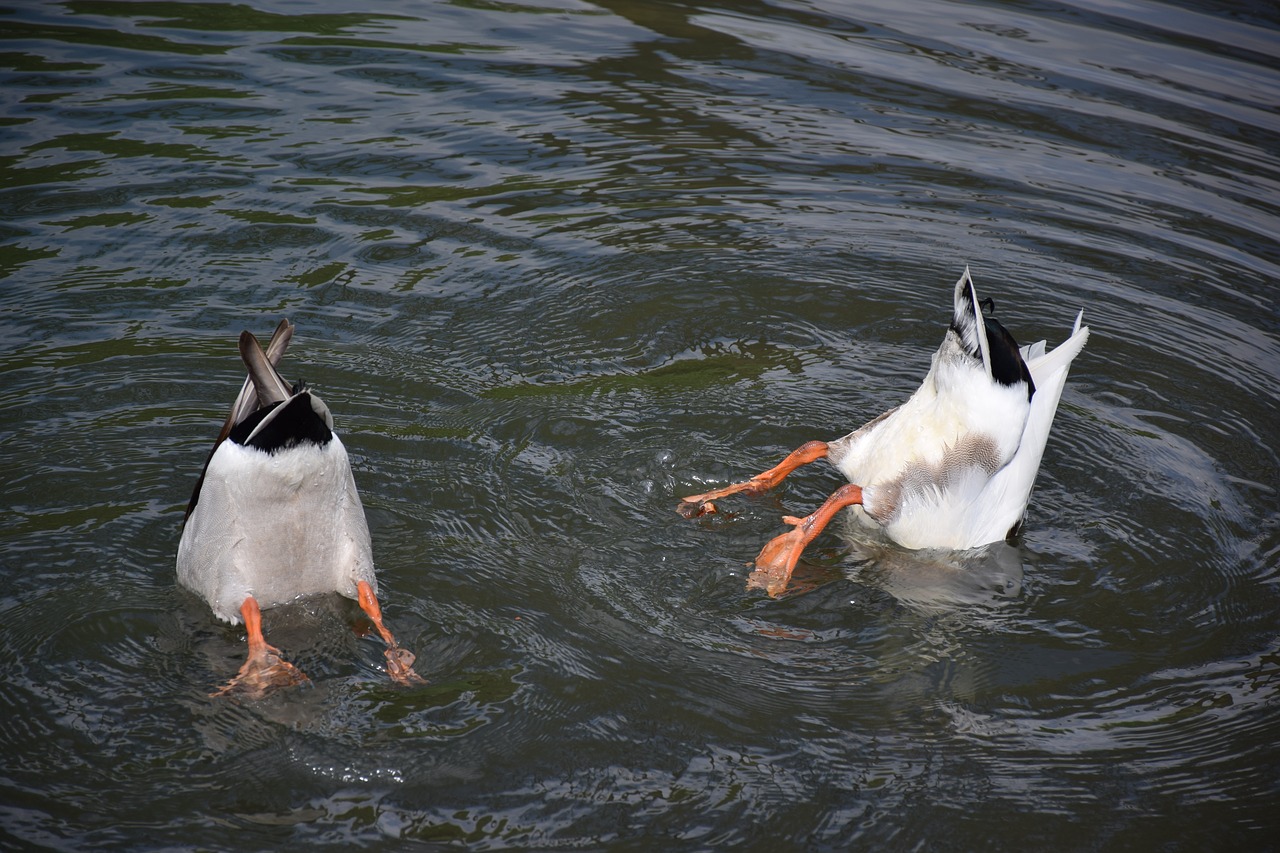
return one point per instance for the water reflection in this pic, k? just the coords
(927, 580)
(937, 581)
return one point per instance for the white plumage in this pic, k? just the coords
(276, 516)
(953, 466)
(276, 527)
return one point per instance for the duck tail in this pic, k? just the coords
(967, 321)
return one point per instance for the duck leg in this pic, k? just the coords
(399, 661)
(265, 670)
(696, 505)
(778, 558)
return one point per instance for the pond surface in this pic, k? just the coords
(554, 264)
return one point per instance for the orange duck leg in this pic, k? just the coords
(265, 670)
(696, 505)
(778, 558)
(399, 661)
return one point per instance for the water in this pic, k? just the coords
(554, 264)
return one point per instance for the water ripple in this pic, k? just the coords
(554, 264)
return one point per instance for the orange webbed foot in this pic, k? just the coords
(399, 661)
(265, 671)
(777, 559)
(695, 506)
(400, 667)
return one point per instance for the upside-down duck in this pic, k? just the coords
(953, 466)
(275, 516)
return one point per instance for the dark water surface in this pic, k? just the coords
(555, 263)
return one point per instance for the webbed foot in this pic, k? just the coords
(264, 672)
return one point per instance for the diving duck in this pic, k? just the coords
(275, 515)
(953, 466)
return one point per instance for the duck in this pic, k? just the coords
(953, 467)
(275, 516)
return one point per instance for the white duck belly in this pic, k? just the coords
(927, 468)
(275, 526)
